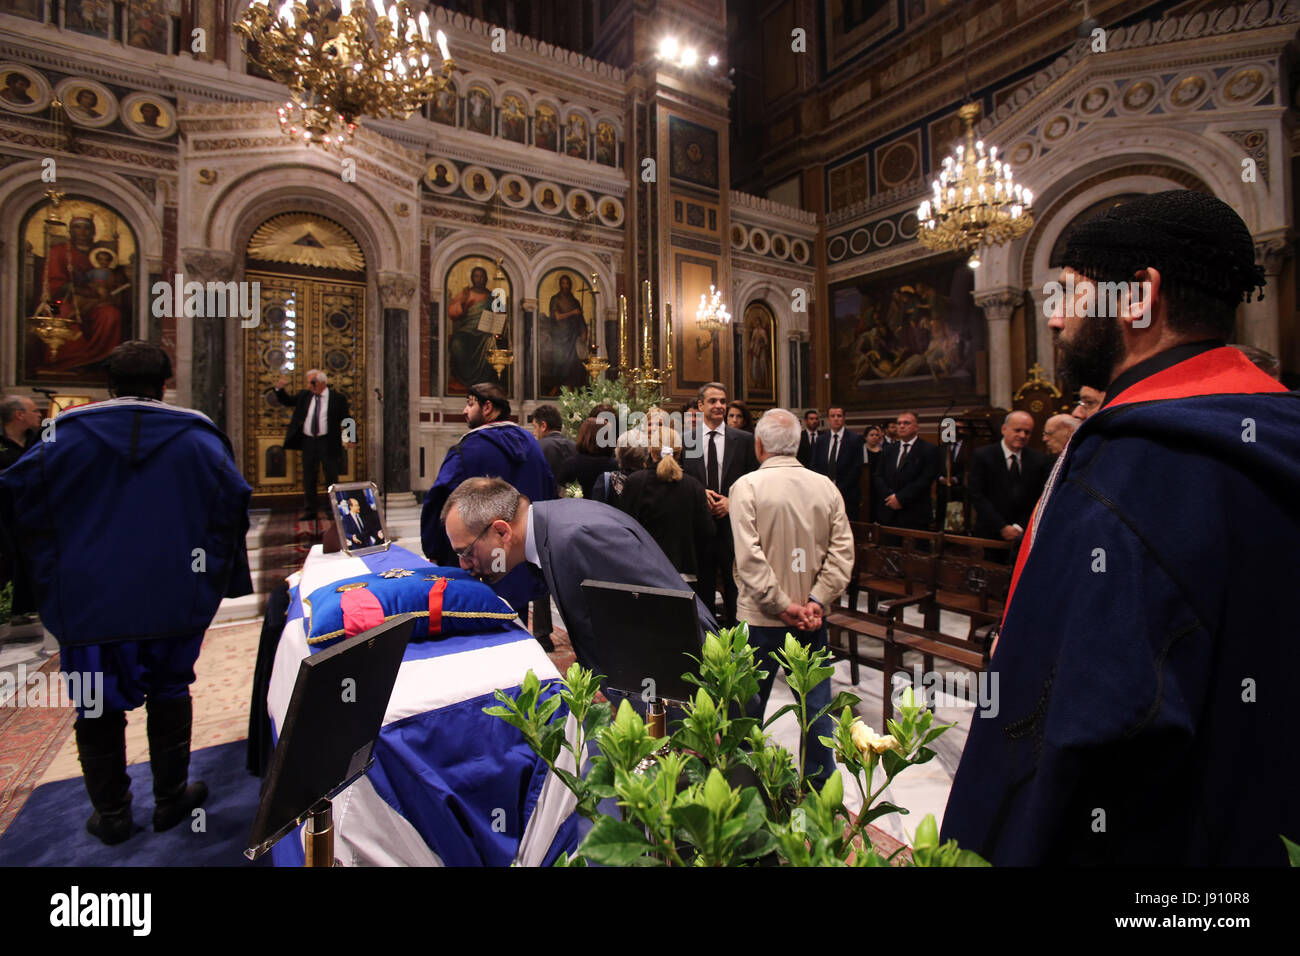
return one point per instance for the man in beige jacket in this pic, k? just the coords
(794, 555)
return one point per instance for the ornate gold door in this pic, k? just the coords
(306, 323)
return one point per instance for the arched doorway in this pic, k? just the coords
(313, 316)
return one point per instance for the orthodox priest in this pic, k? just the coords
(1148, 648)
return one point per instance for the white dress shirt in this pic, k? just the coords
(904, 447)
(530, 542)
(318, 427)
(832, 446)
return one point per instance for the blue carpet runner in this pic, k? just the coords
(51, 828)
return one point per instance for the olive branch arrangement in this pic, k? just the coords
(718, 791)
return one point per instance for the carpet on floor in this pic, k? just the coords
(51, 828)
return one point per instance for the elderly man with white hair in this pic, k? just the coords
(1057, 431)
(794, 555)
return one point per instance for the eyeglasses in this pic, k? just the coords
(464, 554)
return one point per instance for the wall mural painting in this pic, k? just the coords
(478, 110)
(575, 142)
(84, 256)
(149, 23)
(606, 144)
(913, 336)
(546, 128)
(565, 306)
(760, 355)
(694, 151)
(514, 121)
(88, 16)
(478, 298)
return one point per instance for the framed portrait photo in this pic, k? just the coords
(357, 516)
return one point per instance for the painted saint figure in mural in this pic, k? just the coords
(760, 361)
(471, 337)
(86, 279)
(562, 358)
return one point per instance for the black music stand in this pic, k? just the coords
(658, 630)
(328, 738)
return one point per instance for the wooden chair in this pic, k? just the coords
(972, 578)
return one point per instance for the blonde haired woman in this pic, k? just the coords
(672, 506)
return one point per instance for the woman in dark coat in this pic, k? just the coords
(672, 506)
(590, 462)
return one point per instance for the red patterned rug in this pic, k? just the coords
(30, 737)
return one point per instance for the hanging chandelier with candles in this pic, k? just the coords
(712, 315)
(342, 60)
(976, 202)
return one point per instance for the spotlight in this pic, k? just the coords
(668, 47)
(713, 60)
(688, 56)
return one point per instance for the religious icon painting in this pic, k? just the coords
(739, 236)
(780, 247)
(799, 251)
(546, 127)
(478, 110)
(575, 138)
(87, 103)
(478, 299)
(149, 23)
(441, 175)
(478, 183)
(31, 9)
(580, 204)
(148, 115)
(22, 89)
(515, 191)
(88, 16)
(760, 353)
(79, 264)
(548, 198)
(758, 241)
(564, 312)
(442, 107)
(610, 211)
(606, 144)
(514, 121)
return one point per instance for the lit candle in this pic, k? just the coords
(442, 46)
(424, 26)
(622, 331)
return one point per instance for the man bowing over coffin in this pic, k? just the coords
(1148, 649)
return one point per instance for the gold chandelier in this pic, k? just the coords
(712, 315)
(47, 321)
(341, 62)
(976, 202)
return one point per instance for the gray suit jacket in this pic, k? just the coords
(578, 539)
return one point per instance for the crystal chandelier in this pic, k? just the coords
(976, 202)
(341, 62)
(712, 315)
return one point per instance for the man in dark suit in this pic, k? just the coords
(494, 529)
(838, 456)
(315, 429)
(907, 470)
(1006, 480)
(720, 456)
(954, 461)
(808, 437)
(354, 535)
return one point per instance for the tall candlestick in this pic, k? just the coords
(622, 331)
(649, 321)
(668, 336)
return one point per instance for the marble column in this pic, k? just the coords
(395, 292)
(208, 335)
(1258, 322)
(998, 304)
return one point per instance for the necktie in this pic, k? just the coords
(1015, 467)
(902, 455)
(712, 475)
(314, 430)
(835, 451)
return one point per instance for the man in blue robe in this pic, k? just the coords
(129, 525)
(1148, 649)
(494, 447)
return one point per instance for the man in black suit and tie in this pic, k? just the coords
(720, 456)
(494, 529)
(315, 429)
(1006, 479)
(907, 470)
(808, 437)
(838, 456)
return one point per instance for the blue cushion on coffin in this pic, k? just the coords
(447, 601)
